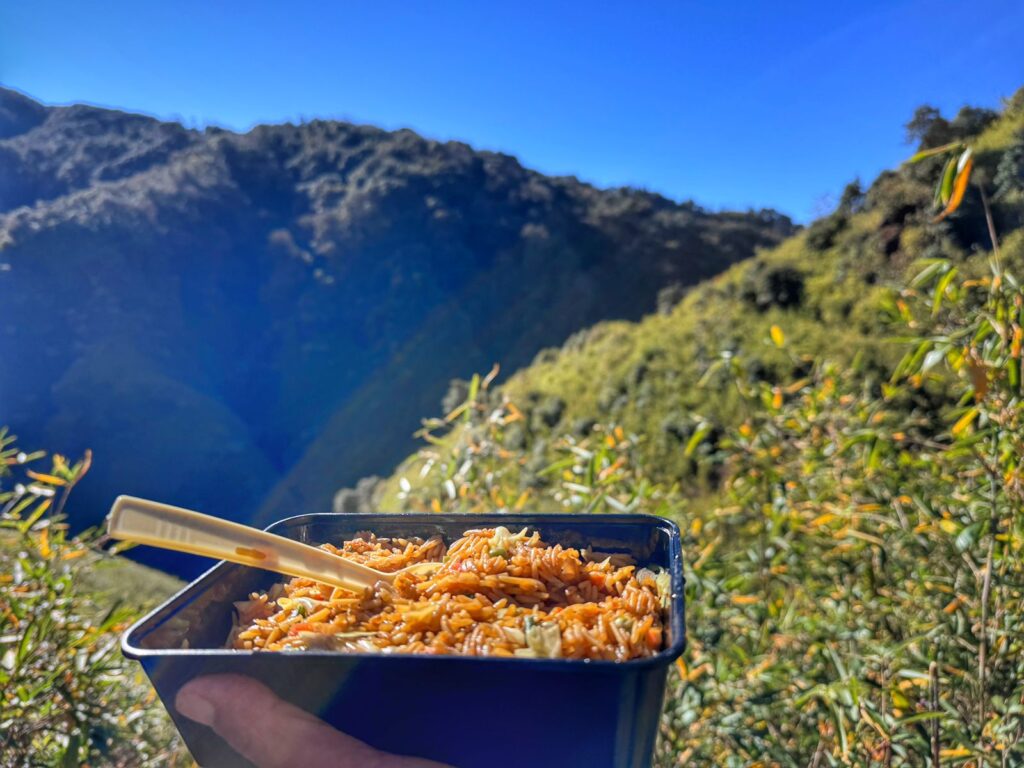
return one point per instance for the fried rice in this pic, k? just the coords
(496, 593)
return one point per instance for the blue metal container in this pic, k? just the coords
(460, 710)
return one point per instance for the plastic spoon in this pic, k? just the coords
(160, 525)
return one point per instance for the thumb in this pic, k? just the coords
(273, 733)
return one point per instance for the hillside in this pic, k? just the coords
(838, 428)
(245, 322)
(828, 288)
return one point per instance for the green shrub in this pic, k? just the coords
(767, 287)
(67, 697)
(856, 598)
(821, 235)
(854, 591)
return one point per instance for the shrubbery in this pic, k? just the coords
(855, 592)
(67, 696)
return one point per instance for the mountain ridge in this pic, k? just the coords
(828, 290)
(205, 309)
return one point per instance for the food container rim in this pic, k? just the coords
(676, 620)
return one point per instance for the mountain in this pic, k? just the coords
(828, 289)
(242, 323)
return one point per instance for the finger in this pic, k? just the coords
(273, 733)
(257, 724)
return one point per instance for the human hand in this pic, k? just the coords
(272, 733)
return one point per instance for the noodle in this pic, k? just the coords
(495, 594)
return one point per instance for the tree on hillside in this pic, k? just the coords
(928, 128)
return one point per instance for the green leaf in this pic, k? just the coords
(25, 502)
(911, 362)
(945, 187)
(875, 457)
(557, 466)
(940, 290)
(710, 372)
(695, 439)
(122, 546)
(454, 414)
(921, 716)
(964, 422)
(36, 514)
(932, 268)
(474, 390)
(926, 153)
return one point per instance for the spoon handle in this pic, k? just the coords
(160, 525)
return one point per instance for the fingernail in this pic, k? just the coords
(195, 707)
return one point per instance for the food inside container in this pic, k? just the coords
(494, 593)
(451, 705)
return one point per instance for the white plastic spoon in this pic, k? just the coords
(160, 525)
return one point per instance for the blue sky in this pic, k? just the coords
(731, 104)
